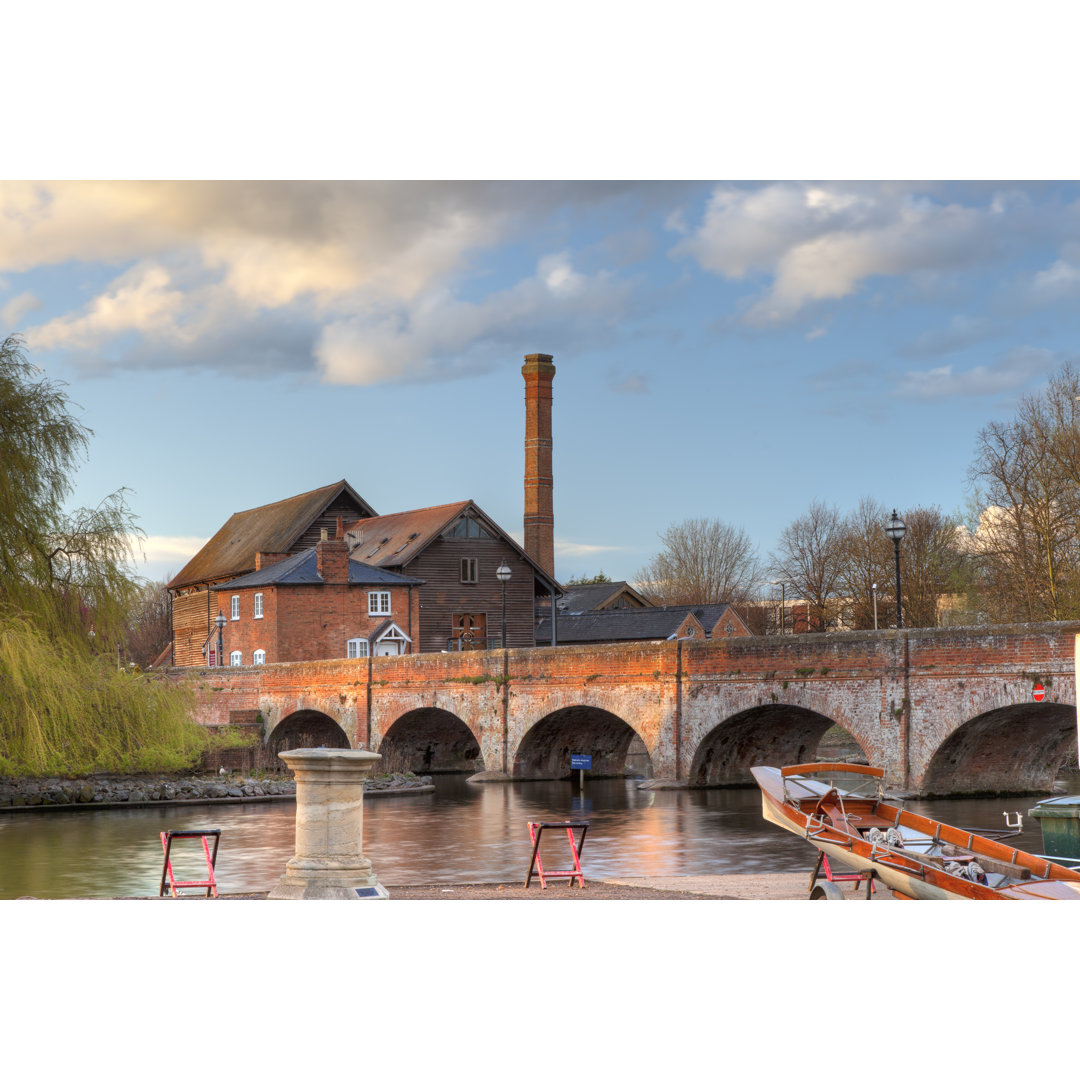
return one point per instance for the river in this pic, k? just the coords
(461, 833)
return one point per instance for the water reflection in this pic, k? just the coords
(461, 833)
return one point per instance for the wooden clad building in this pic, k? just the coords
(452, 552)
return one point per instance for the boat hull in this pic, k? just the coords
(916, 869)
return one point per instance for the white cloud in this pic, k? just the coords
(567, 549)
(12, 312)
(821, 241)
(442, 336)
(155, 557)
(1061, 281)
(1012, 371)
(143, 299)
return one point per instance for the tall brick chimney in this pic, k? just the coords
(538, 372)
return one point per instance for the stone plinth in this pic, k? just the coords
(329, 863)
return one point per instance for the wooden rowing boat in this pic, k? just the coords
(859, 830)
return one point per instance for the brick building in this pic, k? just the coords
(437, 567)
(315, 605)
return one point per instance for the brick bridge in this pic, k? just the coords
(943, 710)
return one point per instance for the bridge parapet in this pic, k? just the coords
(902, 696)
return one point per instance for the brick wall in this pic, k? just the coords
(942, 710)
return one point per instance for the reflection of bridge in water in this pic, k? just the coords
(946, 710)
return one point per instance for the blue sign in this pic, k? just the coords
(581, 761)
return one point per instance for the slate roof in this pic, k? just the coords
(624, 624)
(628, 624)
(581, 598)
(302, 569)
(274, 527)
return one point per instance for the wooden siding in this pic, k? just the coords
(343, 506)
(191, 625)
(444, 594)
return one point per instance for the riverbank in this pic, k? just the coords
(104, 792)
(698, 887)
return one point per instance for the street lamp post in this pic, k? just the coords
(873, 589)
(503, 574)
(219, 622)
(895, 532)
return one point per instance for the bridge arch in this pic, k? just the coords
(1017, 748)
(305, 729)
(773, 734)
(430, 740)
(616, 748)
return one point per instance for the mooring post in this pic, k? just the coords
(329, 863)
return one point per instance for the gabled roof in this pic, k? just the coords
(625, 624)
(275, 527)
(302, 569)
(578, 599)
(395, 540)
(633, 624)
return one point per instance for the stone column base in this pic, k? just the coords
(306, 879)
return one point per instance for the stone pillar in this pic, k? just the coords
(329, 863)
(538, 372)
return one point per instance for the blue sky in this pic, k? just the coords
(726, 349)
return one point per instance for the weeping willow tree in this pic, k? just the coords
(65, 601)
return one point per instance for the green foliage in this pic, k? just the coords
(65, 603)
(597, 579)
(67, 709)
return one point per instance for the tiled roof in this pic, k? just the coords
(396, 539)
(625, 624)
(274, 527)
(581, 598)
(302, 569)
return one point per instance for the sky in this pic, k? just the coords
(723, 349)
(270, 257)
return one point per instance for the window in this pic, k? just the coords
(236, 658)
(378, 603)
(356, 647)
(467, 528)
(468, 571)
(234, 607)
(259, 657)
(258, 605)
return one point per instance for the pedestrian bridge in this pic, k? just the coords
(953, 710)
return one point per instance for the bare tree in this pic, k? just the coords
(1026, 474)
(867, 561)
(703, 561)
(932, 564)
(150, 629)
(810, 556)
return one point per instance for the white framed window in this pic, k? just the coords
(258, 605)
(236, 658)
(469, 572)
(378, 603)
(355, 648)
(234, 607)
(259, 657)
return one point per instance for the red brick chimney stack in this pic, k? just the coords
(332, 557)
(538, 372)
